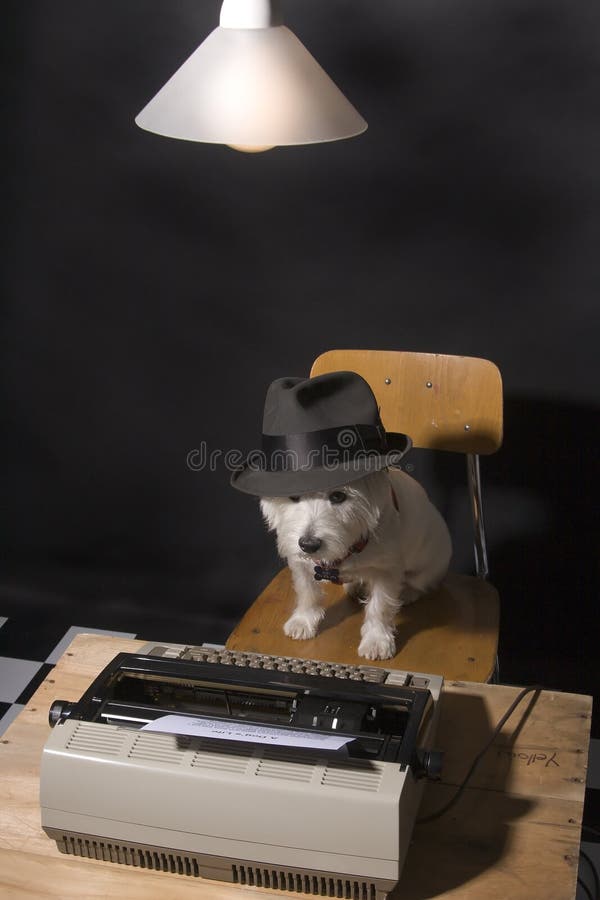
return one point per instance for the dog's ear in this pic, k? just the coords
(375, 489)
(269, 509)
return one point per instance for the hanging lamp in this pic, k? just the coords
(252, 85)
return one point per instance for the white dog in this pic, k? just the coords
(380, 536)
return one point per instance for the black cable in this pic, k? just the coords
(592, 828)
(440, 812)
(595, 877)
(586, 889)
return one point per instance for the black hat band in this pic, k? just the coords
(327, 446)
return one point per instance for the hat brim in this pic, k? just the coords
(289, 482)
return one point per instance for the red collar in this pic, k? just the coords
(358, 547)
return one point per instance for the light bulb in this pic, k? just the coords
(249, 149)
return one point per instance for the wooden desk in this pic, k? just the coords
(514, 833)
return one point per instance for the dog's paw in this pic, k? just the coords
(303, 625)
(377, 644)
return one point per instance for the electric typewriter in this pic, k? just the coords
(279, 772)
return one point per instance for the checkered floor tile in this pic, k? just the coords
(27, 655)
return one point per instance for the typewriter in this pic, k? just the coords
(294, 774)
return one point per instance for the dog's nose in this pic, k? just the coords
(309, 544)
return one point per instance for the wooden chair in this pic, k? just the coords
(450, 403)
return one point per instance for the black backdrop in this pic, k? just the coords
(153, 288)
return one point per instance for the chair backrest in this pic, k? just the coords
(442, 402)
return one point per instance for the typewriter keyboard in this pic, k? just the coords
(211, 654)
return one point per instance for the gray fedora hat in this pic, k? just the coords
(318, 433)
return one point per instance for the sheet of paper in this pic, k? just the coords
(242, 731)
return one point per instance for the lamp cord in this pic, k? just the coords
(444, 809)
(596, 879)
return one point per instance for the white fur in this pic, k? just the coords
(407, 553)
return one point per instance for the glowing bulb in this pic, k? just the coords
(249, 149)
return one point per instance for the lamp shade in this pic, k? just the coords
(254, 86)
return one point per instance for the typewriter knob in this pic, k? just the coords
(433, 764)
(59, 711)
(428, 764)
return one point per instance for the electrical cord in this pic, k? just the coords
(444, 809)
(596, 879)
(585, 889)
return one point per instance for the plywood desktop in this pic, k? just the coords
(514, 833)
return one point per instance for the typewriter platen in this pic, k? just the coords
(311, 819)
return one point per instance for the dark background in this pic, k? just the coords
(153, 288)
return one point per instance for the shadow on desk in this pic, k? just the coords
(477, 834)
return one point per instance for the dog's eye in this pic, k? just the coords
(337, 497)
(295, 499)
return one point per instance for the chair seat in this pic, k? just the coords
(452, 631)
